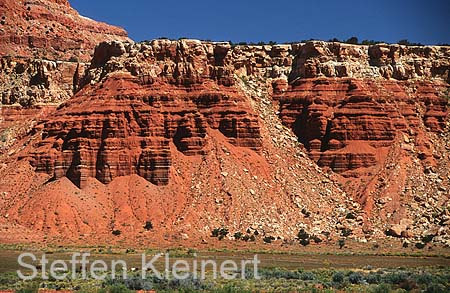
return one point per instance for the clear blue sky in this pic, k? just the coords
(424, 21)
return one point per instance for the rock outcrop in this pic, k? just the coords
(123, 127)
(44, 47)
(28, 82)
(172, 92)
(163, 131)
(324, 59)
(50, 29)
(333, 138)
(346, 124)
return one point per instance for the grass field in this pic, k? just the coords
(280, 272)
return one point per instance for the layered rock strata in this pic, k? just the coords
(50, 29)
(217, 134)
(173, 96)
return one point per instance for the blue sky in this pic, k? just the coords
(424, 21)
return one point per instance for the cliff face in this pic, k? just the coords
(342, 101)
(196, 135)
(44, 47)
(52, 30)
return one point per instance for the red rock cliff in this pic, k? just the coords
(183, 94)
(212, 132)
(50, 30)
(43, 49)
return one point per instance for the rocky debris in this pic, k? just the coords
(400, 230)
(259, 140)
(27, 82)
(346, 123)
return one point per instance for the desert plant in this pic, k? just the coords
(373, 278)
(338, 277)
(307, 276)
(371, 42)
(304, 242)
(215, 232)
(427, 238)
(346, 232)
(420, 245)
(302, 234)
(268, 239)
(405, 42)
(352, 40)
(238, 235)
(382, 288)
(356, 278)
(436, 288)
(306, 213)
(73, 59)
(350, 216)
(220, 233)
(116, 232)
(316, 239)
(148, 226)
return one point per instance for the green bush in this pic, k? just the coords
(356, 278)
(148, 226)
(382, 288)
(116, 289)
(304, 242)
(220, 233)
(307, 276)
(436, 288)
(268, 239)
(346, 232)
(302, 234)
(29, 288)
(338, 277)
(352, 40)
(116, 232)
(420, 245)
(395, 278)
(373, 278)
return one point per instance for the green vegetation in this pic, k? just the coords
(268, 239)
(220, 233)
(148, 226)
(261, 43)
(408, 43)
(355, 41)
(426, 279)
(116, 232)
(73, 59)
(238, 235)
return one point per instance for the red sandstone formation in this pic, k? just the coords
(171, 113)
(194, 136)
(123, 127)
(41, 45)
(346, 123)
(50, 29)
